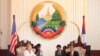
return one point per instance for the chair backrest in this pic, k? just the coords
(80, 50)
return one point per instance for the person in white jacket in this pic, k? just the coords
(28, 51)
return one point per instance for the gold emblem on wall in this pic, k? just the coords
(48, 19)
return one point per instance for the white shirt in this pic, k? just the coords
(72, 53)
(27, 53)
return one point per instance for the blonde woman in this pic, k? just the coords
(28, 51)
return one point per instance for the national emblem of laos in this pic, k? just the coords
(48, 19)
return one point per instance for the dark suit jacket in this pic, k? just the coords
(75, 53)
(64, 53)
(56, 53)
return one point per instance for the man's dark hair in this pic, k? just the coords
(58, 46)
(38, 45)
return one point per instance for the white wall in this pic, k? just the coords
(75, 11)
(4, 23)
(22, 9)
(93, 24)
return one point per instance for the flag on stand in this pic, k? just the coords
(83, 31)
(14, 38)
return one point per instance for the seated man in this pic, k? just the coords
(72, 51)
(58, 52)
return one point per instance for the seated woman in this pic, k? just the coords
(28, 51)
